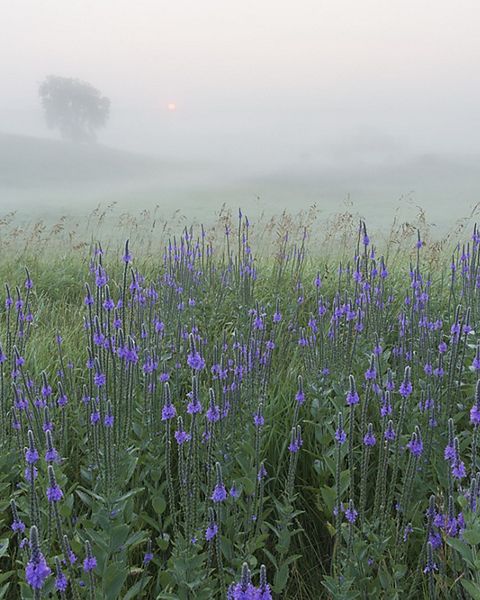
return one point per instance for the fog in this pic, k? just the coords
(269, 105)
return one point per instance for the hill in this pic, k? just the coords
(27, 162)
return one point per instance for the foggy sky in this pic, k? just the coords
(252, 75)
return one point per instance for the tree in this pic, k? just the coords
(73, 107)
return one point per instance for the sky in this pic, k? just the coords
(395, 69)
(257, 85)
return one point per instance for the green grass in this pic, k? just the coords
(59, 265)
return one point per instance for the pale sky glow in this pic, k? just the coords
(404, 70)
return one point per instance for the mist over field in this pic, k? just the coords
(266, 107)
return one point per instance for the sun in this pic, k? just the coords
(171, 106)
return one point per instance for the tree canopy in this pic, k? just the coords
(74, 107)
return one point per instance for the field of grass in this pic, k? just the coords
(44, 178)
(283, 408)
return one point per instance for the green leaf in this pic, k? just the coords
(128, 495)
(118, 535)
(134, 591)
(472, 588)
(159, 504)
(462, 548)
(113, 579)
(328, 495)
(4, 590)
(472, 536)
(280, 579)
(84, 498)
(3, 546)
(163, 541)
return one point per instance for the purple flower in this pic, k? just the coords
(435, 539)
(262, 472)
(18, 526)
(458, 469)
(258, 323)
(211, 532)
(168, 412)
(108, 420)
(219, 493)
(101, 277)
(296, 443)
(62, 400)
(31, 455)
(213, 413)
(234, 492)
(415, 446)
(54, 493)
(148, 557)
(351, 514)
(89, 563)
(194, 406)
(52, 456)
(46, 391)
(300, 395)
(258, 419)
(239, 591)
(195, 361)
(449, 453)
(29, 471)
(407, 531)
(100, 379)
(405, 389)
(340, 436)
(369, 439)
(182, 436)
(61, 582)
(390, 432)
(475, 414)
(109, 304)
(431, 567)
(352, 398)
(37, 569)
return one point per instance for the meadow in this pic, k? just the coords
(251, 410)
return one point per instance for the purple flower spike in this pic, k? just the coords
(168, 412)
(415, 445)
(351, 514)
(89, 564)
(458, 469)
(219, 493)
(37, 569)
(340, 436)
(195, 361)
(31, 456)
(54, 493)
(369, 438)
(211, 532)
(212, 528)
